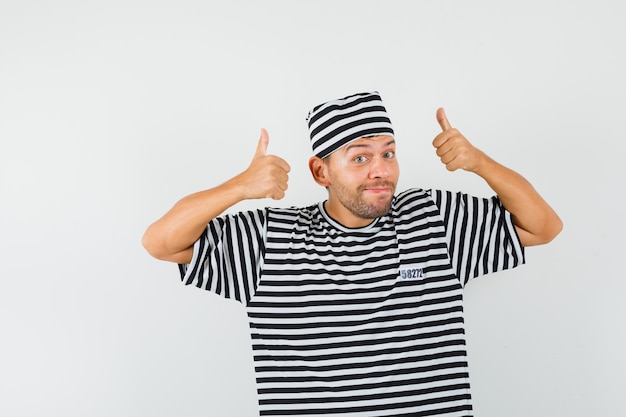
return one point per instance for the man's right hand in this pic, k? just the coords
(267, 175)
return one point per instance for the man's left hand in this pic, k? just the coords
(454, 150)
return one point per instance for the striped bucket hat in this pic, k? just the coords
(338, 122)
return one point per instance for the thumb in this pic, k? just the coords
(443, 120)
(264, 140)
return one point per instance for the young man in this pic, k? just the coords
(355, 303)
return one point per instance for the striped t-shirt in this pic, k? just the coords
(358, 322)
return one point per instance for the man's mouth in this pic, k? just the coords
(380, 188)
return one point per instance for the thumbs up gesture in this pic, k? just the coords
(267, 175)
(454, 150)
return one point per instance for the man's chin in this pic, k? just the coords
(374, 212)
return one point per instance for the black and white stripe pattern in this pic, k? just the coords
(478, 235)
(338, 122)
(358, 322)
(228, 257)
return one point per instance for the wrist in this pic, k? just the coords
(484, 165)
(237, 188)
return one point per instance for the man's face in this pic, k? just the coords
(363, 177)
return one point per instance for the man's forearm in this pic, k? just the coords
(536, 222)
(171, 238)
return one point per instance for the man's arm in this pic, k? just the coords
(171, 238)
(535, 221)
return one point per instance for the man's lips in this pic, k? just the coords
(378, 188)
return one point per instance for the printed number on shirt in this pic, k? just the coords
(412, 273)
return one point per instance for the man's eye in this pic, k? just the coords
(360, 159)
(389, 155)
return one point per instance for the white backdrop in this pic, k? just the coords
(110, 111)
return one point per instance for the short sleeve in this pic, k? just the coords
(228, 257)
(480, 234)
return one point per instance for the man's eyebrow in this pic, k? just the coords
(366, 145)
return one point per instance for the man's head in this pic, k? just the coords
(354, 147)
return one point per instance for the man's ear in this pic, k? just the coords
(319, 170)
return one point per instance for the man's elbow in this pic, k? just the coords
(555, 227)
(150, 244)
(545, 234)
(157, 248)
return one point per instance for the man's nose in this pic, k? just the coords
(379, 168)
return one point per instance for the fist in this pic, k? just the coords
(454, 150)
(267, 175)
